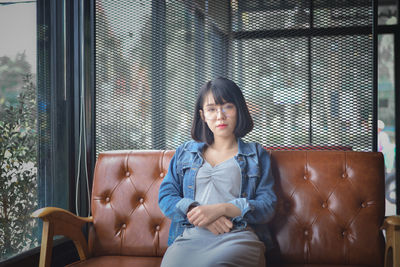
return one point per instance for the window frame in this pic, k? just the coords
(395, 30)
(65, 66)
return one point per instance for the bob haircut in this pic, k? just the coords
(223, 90)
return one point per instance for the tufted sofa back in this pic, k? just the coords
(126, 216)
(330, 206)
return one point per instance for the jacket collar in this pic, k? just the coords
(195, 147)
(243, 148)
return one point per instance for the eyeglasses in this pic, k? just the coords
(211, 112)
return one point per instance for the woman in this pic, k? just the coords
(218, 191)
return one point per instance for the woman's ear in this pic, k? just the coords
(201, 115)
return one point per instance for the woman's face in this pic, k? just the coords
(221, 119)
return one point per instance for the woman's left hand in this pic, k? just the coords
(204, 215)
(220, 226)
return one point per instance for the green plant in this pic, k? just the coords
(12, 72)
(18, 172)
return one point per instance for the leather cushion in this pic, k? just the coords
(119, 261)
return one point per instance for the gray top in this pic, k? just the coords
(218, 184)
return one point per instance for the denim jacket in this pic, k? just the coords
(257, 199)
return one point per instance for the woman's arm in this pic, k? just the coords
(170, 196)
(261, 208)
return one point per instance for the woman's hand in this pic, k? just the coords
(204, 215)
(220, 226)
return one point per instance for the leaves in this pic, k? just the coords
(18, 170)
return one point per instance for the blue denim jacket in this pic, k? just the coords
(257, 199)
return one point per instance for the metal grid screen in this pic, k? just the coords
(305, 69)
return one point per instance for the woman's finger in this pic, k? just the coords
(203, 222)
(197, 221)
(193, 216)
(191, 212)
(213, 230)
(228, 223)
(223, 226)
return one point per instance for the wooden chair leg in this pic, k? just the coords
(392, 251)
(396, 247)
(47, 244)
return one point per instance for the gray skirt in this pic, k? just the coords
(198, 247)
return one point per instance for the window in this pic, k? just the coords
(150, 58)
(37, 156)
(306, 68)
(388, 95)
(386, 116)
(18, 128)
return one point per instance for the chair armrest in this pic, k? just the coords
(392, 220)
(58, 221)
(392, 252)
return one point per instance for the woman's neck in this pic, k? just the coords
(224, 143)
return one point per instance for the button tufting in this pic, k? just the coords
(127, 174)
(344, 175)
(344, 233)
(305, 177)
(161, 175)
(305, 232)
(324, 205)
(107, 199)
(364, 205)
(157, 228)
(141, 200)
(124, 226)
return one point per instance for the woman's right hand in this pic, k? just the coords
(220, 226)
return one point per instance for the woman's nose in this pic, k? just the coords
(220, 113)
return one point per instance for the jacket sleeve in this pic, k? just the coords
(170, 198)
(261, 209)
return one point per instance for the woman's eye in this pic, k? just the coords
(211, 110)
(230, 106)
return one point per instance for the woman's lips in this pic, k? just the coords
(222, 126)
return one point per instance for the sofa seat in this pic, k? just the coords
(119, 261)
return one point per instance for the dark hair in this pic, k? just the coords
(223, 90)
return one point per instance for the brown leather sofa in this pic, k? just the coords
(330, 212)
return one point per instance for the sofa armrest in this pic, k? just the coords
(392, 251)
(58, 221)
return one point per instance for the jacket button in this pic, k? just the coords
(244, 194)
